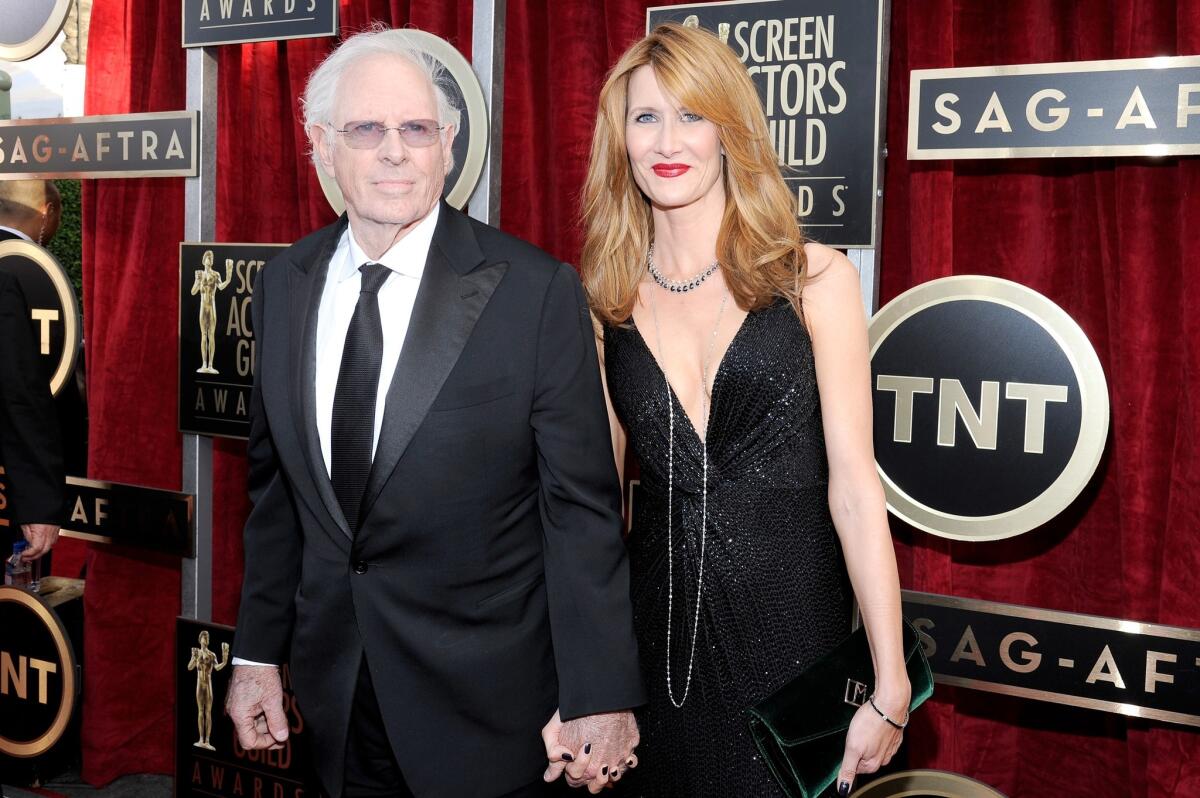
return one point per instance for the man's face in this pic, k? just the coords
(395, 183)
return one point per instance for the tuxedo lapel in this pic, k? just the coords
(454, 290)
(306, 284)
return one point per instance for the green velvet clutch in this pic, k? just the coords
(801, 727)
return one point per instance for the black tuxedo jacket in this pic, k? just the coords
(30, 443)
(488, 583)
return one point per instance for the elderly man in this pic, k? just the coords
(436, 511)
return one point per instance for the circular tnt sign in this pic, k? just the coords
(471, 138)
(927, 784)
(54, 312)
(991, 408)
(30, 26)
(37, 675)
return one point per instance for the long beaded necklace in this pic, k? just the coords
(705, 406)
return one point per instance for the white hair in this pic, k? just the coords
(321, 91)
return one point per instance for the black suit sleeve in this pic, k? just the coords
(587, 572)
(271, 538)
(30, 441)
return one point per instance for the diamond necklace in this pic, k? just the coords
(677, 286)
(705, 406)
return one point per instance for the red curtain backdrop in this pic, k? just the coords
(1104, 238)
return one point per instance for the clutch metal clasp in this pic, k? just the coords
(856, 693)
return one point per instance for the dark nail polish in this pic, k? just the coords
(604, 770)
(844, 788)
(587, 749)
(568, 758)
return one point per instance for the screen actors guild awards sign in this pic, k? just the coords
(216, 342)
(1136, 106)
(208, 22)
(819, 68)
(38, 679)
(1141, 670)
(471, 140)
(122, 145)
(53, 310)
(991, 408)
(208, 759)
(28, 26)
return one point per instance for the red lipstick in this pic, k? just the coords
(670, 169)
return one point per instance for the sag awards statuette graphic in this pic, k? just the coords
(216, 336)
(204, 663)
(207, 284)
(209, 761)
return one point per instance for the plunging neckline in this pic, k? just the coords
(716, 376)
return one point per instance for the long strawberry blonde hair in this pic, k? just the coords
(759, 245)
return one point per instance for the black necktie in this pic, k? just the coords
(353, 427)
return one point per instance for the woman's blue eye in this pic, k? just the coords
(688, 116)
(647, 117)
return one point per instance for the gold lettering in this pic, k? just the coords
(44, 316)
(1183, 107)
(174, 148)
(1152, 674)
(1136, 112)
(78, 513)
(44, 670)
(101, 504)
(993, 117)
(1105, 670)
(18, 152)
(149, 145)
(42, 149)
(199, 405)
(1030, 659)
(102, 138)
(10, 673)
(80, 152)
(968, 648)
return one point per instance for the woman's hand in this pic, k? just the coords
(871, 741)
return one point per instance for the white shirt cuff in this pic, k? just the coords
(240, 661)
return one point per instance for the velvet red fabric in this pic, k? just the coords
(1104, 238)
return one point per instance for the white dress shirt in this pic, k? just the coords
(15, 232)
(406, 259)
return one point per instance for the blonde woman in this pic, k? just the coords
(735, 358)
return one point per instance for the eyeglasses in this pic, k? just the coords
(369, 135)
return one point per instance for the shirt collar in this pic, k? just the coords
(19, 233)
(406, 257)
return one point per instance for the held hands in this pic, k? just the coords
(594, 750)
(255, 705)
(871, 741)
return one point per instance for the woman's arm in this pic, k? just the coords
(837, 323)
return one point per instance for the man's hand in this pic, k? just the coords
(41, 539)
(255, 705)
(594, 750)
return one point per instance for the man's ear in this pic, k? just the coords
(448, 145)
(322, 142)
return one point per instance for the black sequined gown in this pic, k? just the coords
(775, 594)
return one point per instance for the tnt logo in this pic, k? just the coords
(990, 407)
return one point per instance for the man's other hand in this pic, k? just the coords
(255, 705)
(41, 539)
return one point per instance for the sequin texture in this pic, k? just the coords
(776, 596)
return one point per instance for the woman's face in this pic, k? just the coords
(675, 154)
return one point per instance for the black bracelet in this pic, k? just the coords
(890, 722)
